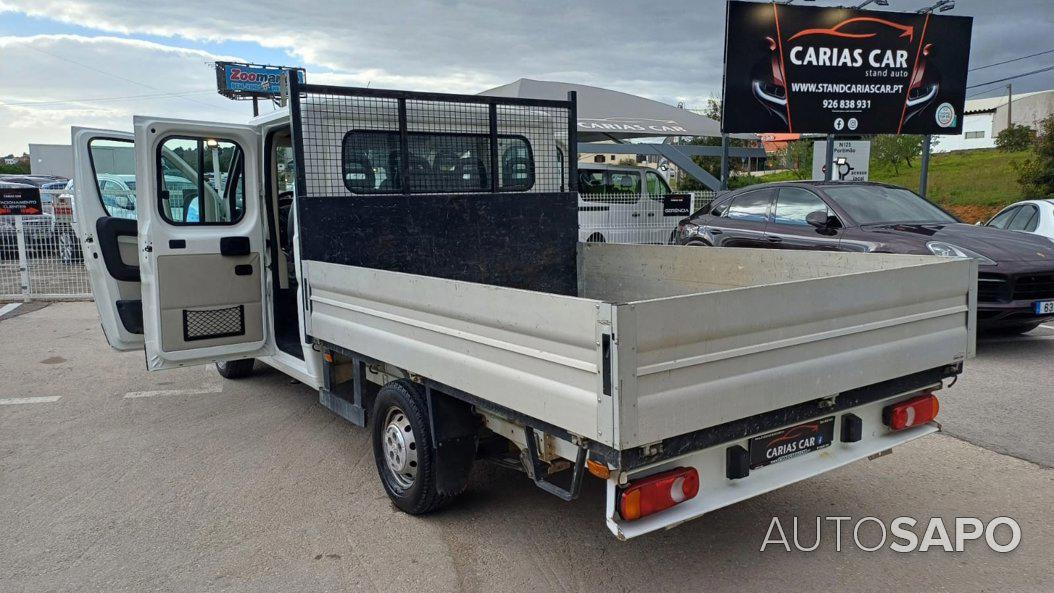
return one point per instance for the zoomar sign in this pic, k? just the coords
(838, 70)
(248, 80)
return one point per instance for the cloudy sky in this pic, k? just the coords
(98, 62)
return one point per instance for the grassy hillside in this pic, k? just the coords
(973, 184)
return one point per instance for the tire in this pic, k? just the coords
(236, 369)
(402, 449)
(596, 238)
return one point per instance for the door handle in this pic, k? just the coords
(651, 214)
(774, 239)
(234, 245)
(716, 231)
(635, 214)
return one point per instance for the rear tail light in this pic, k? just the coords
(913, 412)
(658, 492)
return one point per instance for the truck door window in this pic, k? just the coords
(113, 163)
(656, 185)
(624, 182)
(285, 166)
(201, 181)
(590, 182)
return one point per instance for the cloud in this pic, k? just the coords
(55, 81)
(669, 51)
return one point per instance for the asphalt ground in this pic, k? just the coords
(182, 481)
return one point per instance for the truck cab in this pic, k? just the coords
(217, 200)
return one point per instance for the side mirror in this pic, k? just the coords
(818, 219)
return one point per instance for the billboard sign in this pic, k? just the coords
(248, 80)
(804, 69)
(677, 205)
(19, 200)
(852, 159)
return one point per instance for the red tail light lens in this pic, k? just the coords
(912, 412)
(658, 492)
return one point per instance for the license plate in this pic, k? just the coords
(1045, 308)
(786, 443)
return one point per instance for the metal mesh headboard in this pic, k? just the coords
(372, 141)
(466, 187)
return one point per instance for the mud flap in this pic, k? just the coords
(455, 435)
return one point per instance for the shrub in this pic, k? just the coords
(1015, 138)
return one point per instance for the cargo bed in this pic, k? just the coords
(661, 341)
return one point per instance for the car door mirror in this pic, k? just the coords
(818, 219)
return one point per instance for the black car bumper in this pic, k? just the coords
(1009, 315)
(1009, 300)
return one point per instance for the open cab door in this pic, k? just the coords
(201, 242)
(105, 205)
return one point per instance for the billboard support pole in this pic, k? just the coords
(724, 161)
(256, 107)
(925, 169)
(829, 159)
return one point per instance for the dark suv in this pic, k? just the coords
(1016, 270)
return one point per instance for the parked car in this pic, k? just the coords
(118, 194)
(1030, 216)
(1016, 270)
(621, 204)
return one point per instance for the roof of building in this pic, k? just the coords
(993, 103)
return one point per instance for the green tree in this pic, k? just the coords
(712, 164)
(1015, 138)
(797, 158)
(895, 150)
(21, 168)
(1036, 174)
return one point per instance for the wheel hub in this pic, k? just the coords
(400, 448)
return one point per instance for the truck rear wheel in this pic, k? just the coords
(235, 369)
(402, 448)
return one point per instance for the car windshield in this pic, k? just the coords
(873, 204)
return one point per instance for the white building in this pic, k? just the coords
(985, 118)
(51, 159)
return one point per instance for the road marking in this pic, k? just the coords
(11, 401)
(8, 308)
(166, 392)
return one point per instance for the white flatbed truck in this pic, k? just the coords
(415, 257)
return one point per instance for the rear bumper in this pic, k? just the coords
(718, 491)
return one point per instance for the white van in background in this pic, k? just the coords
(622, 204)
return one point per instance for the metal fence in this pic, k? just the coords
(40, 255)
(630, 218)
(41, 259)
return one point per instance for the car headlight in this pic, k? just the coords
(948, 250)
